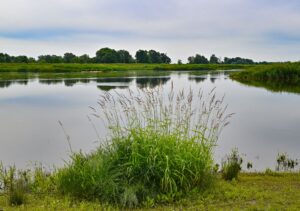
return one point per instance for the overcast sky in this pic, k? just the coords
(258, 29)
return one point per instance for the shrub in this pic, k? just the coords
(160, 148)
(232, 165)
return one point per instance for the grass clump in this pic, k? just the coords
(232, 165)
(160, 148)
(14, 184)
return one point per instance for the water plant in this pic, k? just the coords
(249, 165)
(232, 165)
(284, 163)
(160, 147)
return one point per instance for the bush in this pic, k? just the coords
(160, 149)
(232, 165)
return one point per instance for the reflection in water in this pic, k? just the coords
(4, 84)
(50, 81)
(198, 79)
(151, 82)
(275, 86)
(108, 88)
(212, 80)
(142, 82)
(114, 80)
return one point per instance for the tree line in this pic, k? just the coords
(108, 55)
(104, 55)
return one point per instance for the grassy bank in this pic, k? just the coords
(281, 77)
(282, 72)
(250, 192)
(63, 68)
(52, 71)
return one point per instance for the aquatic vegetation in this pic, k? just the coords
(249, 165)
(284, 163)
(232, 165)
(160, 148)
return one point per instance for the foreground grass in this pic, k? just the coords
(252, 191)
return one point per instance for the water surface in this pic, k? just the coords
(264, 123)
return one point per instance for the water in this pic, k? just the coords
(264, 124)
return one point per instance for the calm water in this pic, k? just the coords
(264, 123)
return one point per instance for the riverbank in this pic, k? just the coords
(54, 71)
(63, 68)
(281, 72)
(281, 77)
(252, 191)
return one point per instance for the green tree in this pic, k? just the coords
(238, 60)
(70, 58)
(5, 58)
(125, 57)
(191, 60)
(165, 59)
(198, 59)
(154, 57)
(84, 59)
(107, 55)
(142, 56)
(50, 59)
(214, 60)
(20, 59)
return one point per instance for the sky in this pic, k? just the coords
(258, 29)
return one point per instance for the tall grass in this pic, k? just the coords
(160, 147)
(17, 184)
(281, 72)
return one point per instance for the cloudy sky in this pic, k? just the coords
(258, 29)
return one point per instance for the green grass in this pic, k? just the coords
(158, 151)
(63, 68)
(11, 71)
(281, 77)
(252, 191)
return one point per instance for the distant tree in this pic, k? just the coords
(84, 59)
(199, 59)
(70, 58)
(107, 55)
(165, 59)
(154, 57)
(31, 60)
(191, 60)
(125, 57)
(179, 61)
(141, 56)
(20, 59)
(214, 60)
(50, 59)
(5, 58)
(238, 60)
